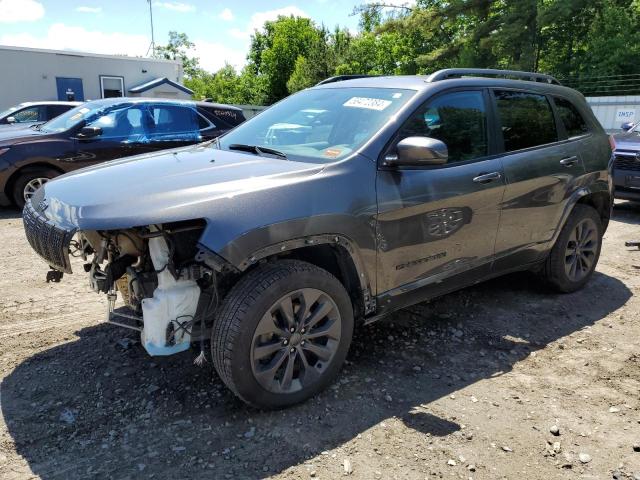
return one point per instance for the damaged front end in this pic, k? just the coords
(166, 279)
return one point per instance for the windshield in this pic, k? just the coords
(73, 117)
(635, 128)
(320, 125)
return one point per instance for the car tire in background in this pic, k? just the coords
(282, 333)
(28, 182)
(575, 254)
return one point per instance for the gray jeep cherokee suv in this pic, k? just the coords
(331, 209)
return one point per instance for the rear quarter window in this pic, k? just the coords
(571, 118)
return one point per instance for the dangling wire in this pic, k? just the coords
(201, 359)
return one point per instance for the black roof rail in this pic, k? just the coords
(341, 78)
(461, 72)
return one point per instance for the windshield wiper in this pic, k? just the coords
(257, 150)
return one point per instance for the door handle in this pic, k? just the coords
(487, 177)
(569, 161)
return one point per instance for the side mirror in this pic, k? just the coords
(418, 151)
(11, 119)
(87, 133)
(625, 126)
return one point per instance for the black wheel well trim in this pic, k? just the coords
(586, 196)
(602, 202)
(8, 186)
(331, 240)
(213, 260)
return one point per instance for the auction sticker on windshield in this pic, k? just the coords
(80, 113)
(368, 103)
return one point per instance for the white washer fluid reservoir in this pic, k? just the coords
(173, 302)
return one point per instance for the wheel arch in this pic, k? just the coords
(598, 196)
(601, 202)
(332, 252)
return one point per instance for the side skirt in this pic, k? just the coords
(392, 301)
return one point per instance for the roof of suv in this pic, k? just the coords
(463, 77)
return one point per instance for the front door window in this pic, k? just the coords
(458, 119)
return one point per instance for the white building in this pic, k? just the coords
(30, 74)
(613, 111)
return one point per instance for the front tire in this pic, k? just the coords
(282, 333)
(575, 254)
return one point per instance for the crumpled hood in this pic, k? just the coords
(162, 187)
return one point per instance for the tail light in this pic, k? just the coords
(612, 142)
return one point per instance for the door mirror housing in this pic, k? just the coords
(87, 133)
(11, 119)
(418, 151)
(625, 126)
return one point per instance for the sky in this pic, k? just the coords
(221, 29)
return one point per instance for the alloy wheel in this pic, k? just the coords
(581, 250)
(32, 186)
(295, 341)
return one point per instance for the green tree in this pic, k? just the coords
(318, 64)
(179, 48)
(576, 40)
(227, 86)
(274, 52)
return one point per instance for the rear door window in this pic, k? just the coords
(571, 118)
(526, 120)
(175, 123)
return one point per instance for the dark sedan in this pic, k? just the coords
(626, 168)
(103, 130)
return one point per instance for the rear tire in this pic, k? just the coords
(575, 254)
(282, 333)
(28, 182)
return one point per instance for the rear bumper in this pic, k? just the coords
(50, 241)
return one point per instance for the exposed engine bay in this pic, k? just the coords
(167, 282)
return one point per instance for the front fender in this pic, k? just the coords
(354, 234)
(333, 239)
(340, 201)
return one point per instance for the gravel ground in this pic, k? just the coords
(503, 380)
